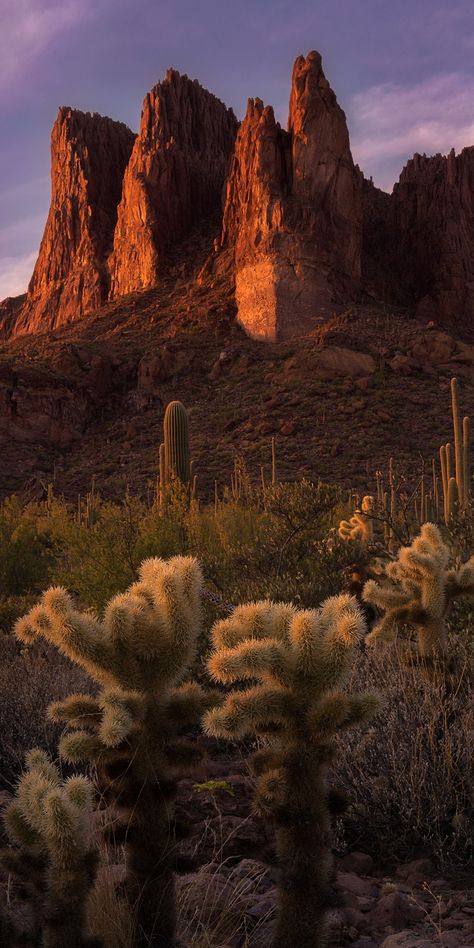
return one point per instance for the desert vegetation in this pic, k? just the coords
(308, 648)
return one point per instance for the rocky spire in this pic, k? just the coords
(88, 158)
(293, 210)
(174, 179)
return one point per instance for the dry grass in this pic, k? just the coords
(409, 777)
(30, 679)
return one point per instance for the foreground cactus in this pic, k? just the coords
(418, 591)
(52, 855)
(139, 652)
(298, 659)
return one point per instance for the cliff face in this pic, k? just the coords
(293, 210)
(88, 158)
(431, 218)
(174, 178)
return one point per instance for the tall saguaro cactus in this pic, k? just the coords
(52, 855)
(139, 653)
(299, 660)
(418, 590)
(176, 442)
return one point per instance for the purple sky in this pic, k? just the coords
(403, 70)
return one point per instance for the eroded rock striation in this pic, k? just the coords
(174, 178)
(89, 154)
(293, 210)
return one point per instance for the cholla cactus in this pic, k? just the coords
(298, 660)
(360, 526)
(139, 652)
(418, 591)
(52, 854)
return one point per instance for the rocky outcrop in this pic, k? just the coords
(174, 179)
(293, 210)
(432, 222)
(88, 158)
(9, 309)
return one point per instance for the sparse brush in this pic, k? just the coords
(139, 652)
(418, 590)
(52, 854)
(298, 660)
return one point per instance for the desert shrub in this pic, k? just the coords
(409, 778)
(30, 678)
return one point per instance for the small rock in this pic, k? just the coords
(358, 862)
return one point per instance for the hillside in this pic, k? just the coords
(87, 399)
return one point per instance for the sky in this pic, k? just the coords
(403, 71)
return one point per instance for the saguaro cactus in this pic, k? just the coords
(176, 442)
(298, 660)
(360, 526)
(52, 855)
(139, 652)
(418, 590)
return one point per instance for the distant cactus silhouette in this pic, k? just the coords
(360, 526)
(139, 652)
(52, 855)
(418, 591)
(176, 443)
(298, 660)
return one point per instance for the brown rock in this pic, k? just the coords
(88, 158)
(9, 309)
(293, 211)
(340, 362)
(174, 178)
(358, 862)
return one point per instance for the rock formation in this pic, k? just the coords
(431, 219)
(293, 210)
(88, 158)
(174, 178)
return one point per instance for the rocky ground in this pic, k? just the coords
(231, 898)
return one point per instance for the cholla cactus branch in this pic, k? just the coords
(52, 852)
(298, 660)
(139, 652)
(418, 590)
(360, 526)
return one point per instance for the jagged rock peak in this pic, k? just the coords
(432, 218)
(293, 210)
(88, 157)
(174, 179)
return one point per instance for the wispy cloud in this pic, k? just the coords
(30, 28)
(390, 122)
(15, 274)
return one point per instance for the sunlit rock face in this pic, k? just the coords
(89, 154)
(293, 211)
(432, 225)
(174, 178)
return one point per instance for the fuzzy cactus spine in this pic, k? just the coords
(52, 852)
(139, 652)
(298, 660)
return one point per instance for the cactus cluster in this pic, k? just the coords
(456, 479)
(53, 856)
(417, 590)
(360, 527)
(139, 653)
(298, 659)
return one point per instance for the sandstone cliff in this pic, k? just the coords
(88, 158)
(431, 219)
(293, 210)
(174, 178)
